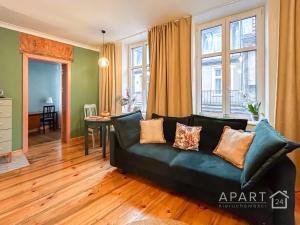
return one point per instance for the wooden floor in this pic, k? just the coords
(62, 186)
(39, 137)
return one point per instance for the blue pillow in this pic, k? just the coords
(127, 128)
(267, 148)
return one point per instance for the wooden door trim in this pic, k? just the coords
(67, 89)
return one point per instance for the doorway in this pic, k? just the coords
(63, 112)
(44, 101)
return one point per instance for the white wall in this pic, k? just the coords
(271, 52)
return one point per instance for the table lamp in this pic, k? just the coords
(49, 100)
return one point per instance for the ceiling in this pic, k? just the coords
(81, 21)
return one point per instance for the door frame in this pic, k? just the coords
(66, 96)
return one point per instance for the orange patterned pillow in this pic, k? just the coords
(187, 138)
(233, 146)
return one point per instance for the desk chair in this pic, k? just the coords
(48, 117)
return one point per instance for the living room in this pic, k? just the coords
(170, 112)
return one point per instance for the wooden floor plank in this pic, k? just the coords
(40, 191)
(33, 184)
(63, 186)
(134, 208)
(50, 216)
(44, 174)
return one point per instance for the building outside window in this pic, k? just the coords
(230, 64)
(139, 74)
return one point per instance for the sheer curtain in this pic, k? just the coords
(170, 91)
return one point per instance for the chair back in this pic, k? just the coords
(48, 111)
(90, 110)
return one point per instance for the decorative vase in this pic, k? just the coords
(255, 117)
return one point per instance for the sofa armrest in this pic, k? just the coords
(282, 178)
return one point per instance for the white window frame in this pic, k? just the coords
(144, 66)
(225, 64)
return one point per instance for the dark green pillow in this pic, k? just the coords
(127, 128)
(267, 148)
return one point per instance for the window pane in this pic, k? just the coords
(137, 56)
(146, 89)
(243, 81)
(211, 40)
(243, 33)
(212, 84)
(137, 87)
(147, 55)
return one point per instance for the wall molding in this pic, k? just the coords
(45, 35)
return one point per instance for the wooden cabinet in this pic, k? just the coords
(6, 127)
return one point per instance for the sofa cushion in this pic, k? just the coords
(127, 128)
(206, 171)
(152, 131)
(170, 125)
(233, 146)
(267, 148)
(187, 137)
(212, 129)
(152, 157)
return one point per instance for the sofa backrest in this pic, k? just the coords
(127, 128)
(169, 125)
(212, 129)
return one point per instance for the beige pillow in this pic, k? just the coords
(233, 146)
(187, 137)
(152, 131)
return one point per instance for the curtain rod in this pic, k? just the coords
(144, 31)
(175, 20)
(132, 35)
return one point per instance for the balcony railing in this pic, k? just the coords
(212, 101)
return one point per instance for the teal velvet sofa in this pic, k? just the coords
(201, 174)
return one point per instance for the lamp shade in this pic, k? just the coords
(49, 100)
(103, 62)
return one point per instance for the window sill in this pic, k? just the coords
(252, 123)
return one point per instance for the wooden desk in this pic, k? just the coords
(34, 121)
(103, 124)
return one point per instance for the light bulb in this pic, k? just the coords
(103, 62)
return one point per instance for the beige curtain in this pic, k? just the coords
(288, 84)
(107, 90)
(170, 90)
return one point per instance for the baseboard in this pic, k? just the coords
(77, 138)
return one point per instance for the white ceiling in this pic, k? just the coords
(80, 21)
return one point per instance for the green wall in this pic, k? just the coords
(11, 79)
(84, 86)
(84, 82)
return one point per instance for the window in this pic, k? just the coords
(230, 64)
(139, 74)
